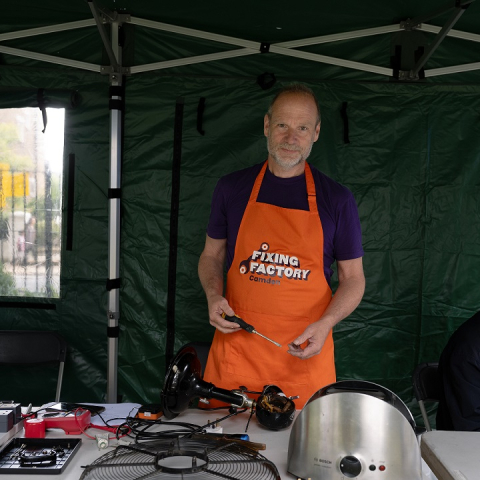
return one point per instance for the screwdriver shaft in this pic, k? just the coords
(247, 327)
(266, 338)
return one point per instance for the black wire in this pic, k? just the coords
(232, 413)
(249, 418)
(139, 427)
(107, 423)
(203, 409)
(121, 429)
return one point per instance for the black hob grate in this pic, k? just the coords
(38, 455)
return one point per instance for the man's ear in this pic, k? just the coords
(266, 125)
(317, 131)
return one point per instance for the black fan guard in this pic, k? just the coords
(211, 459)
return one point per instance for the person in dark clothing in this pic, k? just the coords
(459, 369)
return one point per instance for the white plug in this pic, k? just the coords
(214, 428)
(102, 440)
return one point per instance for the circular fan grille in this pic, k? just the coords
(208, 459)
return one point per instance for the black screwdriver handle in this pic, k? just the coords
(237, 319)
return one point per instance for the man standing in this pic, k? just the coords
(279, 226)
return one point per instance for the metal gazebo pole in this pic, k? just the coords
(114, 51)
(113, 283)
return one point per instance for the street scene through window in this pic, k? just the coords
(31, 172)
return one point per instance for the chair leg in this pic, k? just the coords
(424, 415)
(59, 382)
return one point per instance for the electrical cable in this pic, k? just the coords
(120, 430)
(139, 427)
(99, 427)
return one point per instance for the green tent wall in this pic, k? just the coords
(412, 162)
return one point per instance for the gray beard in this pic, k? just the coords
(287, 164)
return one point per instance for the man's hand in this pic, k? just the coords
(351, 285)
(216, 306)
(315, 334)
(210, 272)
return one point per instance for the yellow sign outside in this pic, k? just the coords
(19, 183)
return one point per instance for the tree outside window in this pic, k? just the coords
(31, 164)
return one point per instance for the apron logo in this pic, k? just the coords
(263, 263)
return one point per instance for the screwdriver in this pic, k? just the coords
(246, 326)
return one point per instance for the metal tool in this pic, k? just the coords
(247, 327)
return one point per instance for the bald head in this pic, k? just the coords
(295, 88)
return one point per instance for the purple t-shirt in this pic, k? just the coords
(342, 235)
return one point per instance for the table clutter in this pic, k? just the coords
(351, 429)
(272, 445)
(265, 449)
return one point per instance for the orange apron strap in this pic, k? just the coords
(257, 184)
(311, 191)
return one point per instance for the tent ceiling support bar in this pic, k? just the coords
(241, 52)
(273, 49)
(416, 21)
(458, 12)
(249, 47)
(255, 45)
(195, 33)
(50, 59)
(291, 44)
(331, 60)
(103, 34)
(468, 67)
(31, 32)
(340, 36)
(473, 37)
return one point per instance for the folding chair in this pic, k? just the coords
(29, 347)
(427, 387)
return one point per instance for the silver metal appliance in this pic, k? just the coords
(354, 429)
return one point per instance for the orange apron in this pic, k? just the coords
(277, 284)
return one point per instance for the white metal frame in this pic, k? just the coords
(246, 47)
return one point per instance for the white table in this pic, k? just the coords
(452, 455)
(276, 444)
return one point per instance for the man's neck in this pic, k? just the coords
(284, 172)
